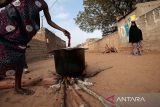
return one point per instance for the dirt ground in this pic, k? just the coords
(123, 73)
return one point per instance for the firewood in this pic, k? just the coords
(57, 101)
(60, 97)
(71, 99)
(100, 98)
(62, 92)
(78, 98)
(7, 84)
(72, 102)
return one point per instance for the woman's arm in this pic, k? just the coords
(51, 23)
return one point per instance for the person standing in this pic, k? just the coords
(135, 38)
(19, 21)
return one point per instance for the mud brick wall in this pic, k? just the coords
(38, 49)
(143, 8)
(42, 43)
(148, 20)
(53, 42)
(99, 45)
(150, 26)
(149, 23)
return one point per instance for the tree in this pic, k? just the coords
(102, 14)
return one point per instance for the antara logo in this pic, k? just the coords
(113, 100)
(130, 99)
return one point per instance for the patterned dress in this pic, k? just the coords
(11, 38)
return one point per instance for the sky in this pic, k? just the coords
(63, 13)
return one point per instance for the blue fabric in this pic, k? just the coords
(126, 26)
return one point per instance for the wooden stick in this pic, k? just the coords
(71, 99)
(100, 98)
(7, 84)
(62, 91)
(57, 102)
(77, 97)
(60, 97)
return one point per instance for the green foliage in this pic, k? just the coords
(102, 14)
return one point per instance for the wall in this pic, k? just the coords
(88, 42)
(53, 42)
(38, 49)
(150, 25)
(99, 45)
(143, 8)
(42, 43)
(147, 20)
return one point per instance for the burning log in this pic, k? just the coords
(7, 84)
(72, 102)
(65, 87)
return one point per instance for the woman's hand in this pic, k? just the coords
(66, 33)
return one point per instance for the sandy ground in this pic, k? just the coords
(124, 74)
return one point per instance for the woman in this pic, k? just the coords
(19, 22)
(135, 37)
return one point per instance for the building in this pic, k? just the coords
(88, 42)
(148, 20)
(42, 43)
(52, 41)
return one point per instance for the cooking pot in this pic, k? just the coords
(69, 61)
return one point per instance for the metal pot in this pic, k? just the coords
(69, 61)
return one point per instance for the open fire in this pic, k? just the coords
(68, 87)
(70, 66)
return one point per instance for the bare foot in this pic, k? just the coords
(24, 91)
